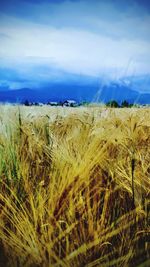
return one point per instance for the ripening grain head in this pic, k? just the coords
(70, 194)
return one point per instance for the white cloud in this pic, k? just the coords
(77, 37)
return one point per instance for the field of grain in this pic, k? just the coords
(74, 187)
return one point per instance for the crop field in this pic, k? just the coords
(74, 186)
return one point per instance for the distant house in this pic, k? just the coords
(70, 103)
(53, 103)
(41, 104)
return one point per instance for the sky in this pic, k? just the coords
(53, 40)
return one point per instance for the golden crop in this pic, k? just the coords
(74, 187)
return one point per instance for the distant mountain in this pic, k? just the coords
(144, 99)
(140, 83)
(118, 91)
(55, 92)
(54, 84)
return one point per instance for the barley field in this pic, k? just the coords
(74, 187)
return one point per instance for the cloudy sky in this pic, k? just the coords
(46, 40)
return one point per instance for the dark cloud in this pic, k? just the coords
(25, 8)
(45, 1)
(144, 3)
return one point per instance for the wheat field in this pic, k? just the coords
(74, 186)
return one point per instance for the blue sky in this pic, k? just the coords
(43, 41)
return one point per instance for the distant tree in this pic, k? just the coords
(60, 103)
(124, 104)
(131, 105)
(84, 103)
(36, 104)
(112, 104)
(26, 103)
(72, 105)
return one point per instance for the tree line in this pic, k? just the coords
(115, 104)
(112, 104)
